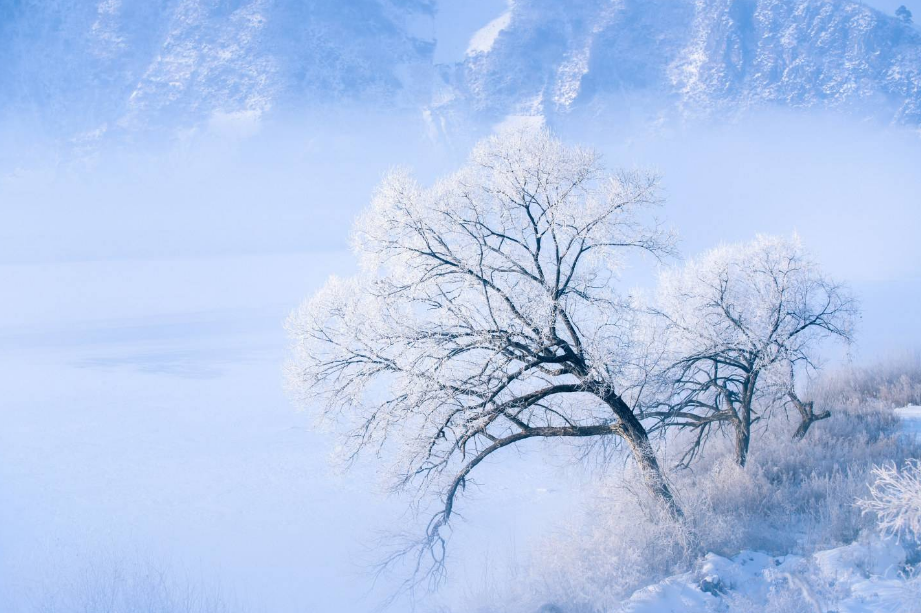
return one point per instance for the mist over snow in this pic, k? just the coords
(176, 177)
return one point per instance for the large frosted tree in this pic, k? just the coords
(740, 321)
(488, 313)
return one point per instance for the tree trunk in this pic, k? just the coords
(638, 439)
(743, 438)
(743, 428)
(743, 421)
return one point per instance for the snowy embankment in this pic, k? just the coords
(911, 419)
(870, 575)
(863, 577)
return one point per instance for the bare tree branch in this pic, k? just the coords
(488, 313)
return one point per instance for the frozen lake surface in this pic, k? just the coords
(144, 416)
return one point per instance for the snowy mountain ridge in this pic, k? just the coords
(703, 56)
(134, 64)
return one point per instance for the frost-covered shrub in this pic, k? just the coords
(793, 497)
(598, 562)
(895, 499)
(896, 382)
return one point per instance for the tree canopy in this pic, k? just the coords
(740, 320)
(487, 312)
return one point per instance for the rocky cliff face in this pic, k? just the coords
(135, 63)
(818, 52)
(702, 55)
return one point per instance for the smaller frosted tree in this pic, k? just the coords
(904, 14)
(488, 314)
(740, 320)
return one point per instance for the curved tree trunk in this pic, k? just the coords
(636, 436)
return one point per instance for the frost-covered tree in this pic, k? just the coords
(740, 321)
(904, 14)
(487, 314)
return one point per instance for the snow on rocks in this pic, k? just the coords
(867, 576)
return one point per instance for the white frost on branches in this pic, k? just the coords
(487, 313)
(741, 319)
(895, 499)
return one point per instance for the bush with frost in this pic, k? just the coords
(793, 497)
(895, 499)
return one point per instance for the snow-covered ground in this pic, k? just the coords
(867, 576)
(911, 419)
(863, 577)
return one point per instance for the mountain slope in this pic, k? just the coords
(703, 55)
(134, 63)
(140, 64)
